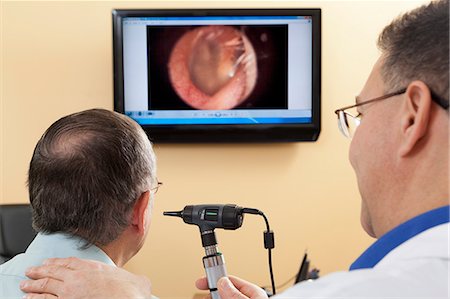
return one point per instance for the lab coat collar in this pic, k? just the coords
(402, 233)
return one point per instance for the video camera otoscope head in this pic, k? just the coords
(208, 218)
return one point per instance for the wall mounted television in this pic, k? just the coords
(219, 75)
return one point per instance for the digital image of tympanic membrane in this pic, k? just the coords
(213, 67)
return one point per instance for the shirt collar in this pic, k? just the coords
(64, 245)
(400, 234)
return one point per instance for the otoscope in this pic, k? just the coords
(209, 217)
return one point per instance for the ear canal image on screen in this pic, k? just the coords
(213, 67)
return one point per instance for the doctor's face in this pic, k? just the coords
(371, 149)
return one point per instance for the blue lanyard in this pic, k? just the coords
(405, 231)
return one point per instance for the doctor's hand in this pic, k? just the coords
(73, 278)
(234, 287)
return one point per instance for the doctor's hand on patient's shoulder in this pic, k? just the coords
(234, 287)
(73, 278)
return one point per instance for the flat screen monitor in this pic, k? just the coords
(219, 75)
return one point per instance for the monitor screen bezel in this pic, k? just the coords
(224, 132)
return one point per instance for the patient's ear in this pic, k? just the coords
(140, 211)
(415, 116)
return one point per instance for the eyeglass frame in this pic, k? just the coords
(383, 97)
(155, 189)
(438, 100)
(341, 112)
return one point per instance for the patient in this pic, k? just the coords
(91, 181)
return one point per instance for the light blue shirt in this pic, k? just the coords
(43, 247)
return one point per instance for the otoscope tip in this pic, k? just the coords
(175, 214)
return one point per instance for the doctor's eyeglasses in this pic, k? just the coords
(348, 121)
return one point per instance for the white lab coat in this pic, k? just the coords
(418, 268)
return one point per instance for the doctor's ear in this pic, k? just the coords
(415, 116)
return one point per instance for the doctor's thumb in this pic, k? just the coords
(227, 290)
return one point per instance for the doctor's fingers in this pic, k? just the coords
(39, 296)
(237, 288)
(202, 283)
(51, 271)
(76, 264)
(44, 288)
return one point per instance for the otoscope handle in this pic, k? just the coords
(215, 269)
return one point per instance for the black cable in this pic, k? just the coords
(269, 242)
(274, 292)
(282, 284)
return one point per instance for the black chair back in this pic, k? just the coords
(16, 232)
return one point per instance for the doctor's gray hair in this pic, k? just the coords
(415, 46)
(86, 173)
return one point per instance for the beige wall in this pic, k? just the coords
(57, 59)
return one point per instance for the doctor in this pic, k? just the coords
(400, 131)
(399, 150)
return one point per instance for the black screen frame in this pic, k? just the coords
(219, 133)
